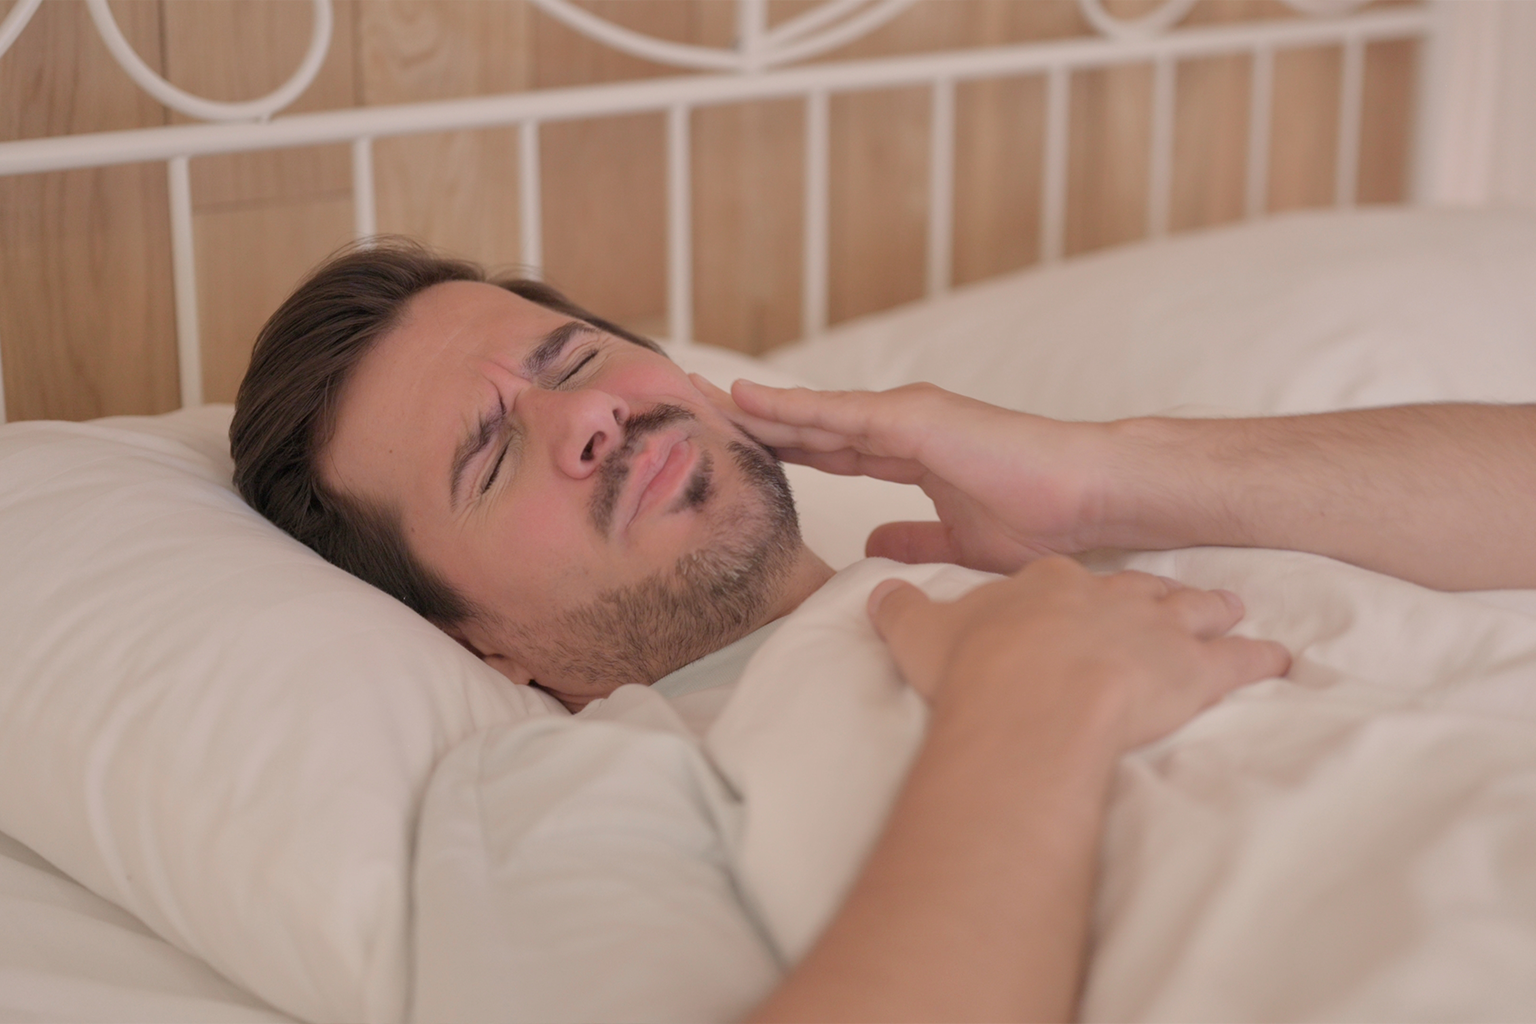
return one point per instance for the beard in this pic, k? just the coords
(707, 599)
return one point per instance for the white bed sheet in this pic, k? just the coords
(66, 954)
(1354, 842)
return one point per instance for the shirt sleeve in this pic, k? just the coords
(573, 870)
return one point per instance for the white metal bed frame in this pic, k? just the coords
(753, 70)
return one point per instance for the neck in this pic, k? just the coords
(808, 575)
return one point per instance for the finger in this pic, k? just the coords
(912, 543)
(893, 602)
(718, 396)
(802, 407)
(912, 627)
(1134, 581)
(878, 423)
(777, 435)
(1205, 613)
(847, 462)
(1241, 661)
(770, 432)
(722, 400)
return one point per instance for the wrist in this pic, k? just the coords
(1000, 720)
(1151, 492)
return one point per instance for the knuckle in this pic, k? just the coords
(1131, 581)
(1058, 566)
(920, 398)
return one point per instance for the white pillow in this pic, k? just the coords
(1299, 313)
(208, 725)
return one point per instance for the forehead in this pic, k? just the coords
(411, 395)
(463, 319)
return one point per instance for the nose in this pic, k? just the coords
(583, 426)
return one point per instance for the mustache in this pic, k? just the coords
(615, 466)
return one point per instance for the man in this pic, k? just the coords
(561, 498)
(555, 495)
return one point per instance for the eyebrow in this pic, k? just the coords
(490, 424)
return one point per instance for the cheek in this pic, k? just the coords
(539, 536)
(650, 376)
(515, 561)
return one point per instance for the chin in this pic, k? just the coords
(708, 597)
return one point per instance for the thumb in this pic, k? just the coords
(912, 543)
(902, 615)
(893, 602)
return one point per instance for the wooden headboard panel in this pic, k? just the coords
(87, 314)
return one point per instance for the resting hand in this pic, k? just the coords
(975, 903)
(1058, 646)
(1009, 487)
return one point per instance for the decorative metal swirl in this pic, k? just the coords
(1157, 21)
(1163, 18)
(757, 48)
(17, 20)
(179, 99)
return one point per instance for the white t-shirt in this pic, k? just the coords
(699, 690)
(582, 868)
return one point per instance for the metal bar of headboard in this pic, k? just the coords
(815, 264)
(1347, 157)
(941, 186)
(678, 96)
(1053, 189)
(1261, 91)
(365, 223)
(98, 149)
(189, 350)
(530, 201)
(1160, 160)
(679, 227)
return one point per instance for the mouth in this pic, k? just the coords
(627, 478)
(660, 474)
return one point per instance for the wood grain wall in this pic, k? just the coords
(86, 319)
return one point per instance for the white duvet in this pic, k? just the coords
(1356, 841)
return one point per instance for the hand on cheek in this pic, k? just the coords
(795, 443)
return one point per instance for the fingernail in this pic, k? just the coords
(1233, 601)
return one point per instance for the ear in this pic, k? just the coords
(507, 666)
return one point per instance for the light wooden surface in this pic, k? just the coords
(86, 320)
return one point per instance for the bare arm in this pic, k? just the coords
(975, 903)
(1442, 495)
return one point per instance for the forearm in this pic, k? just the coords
(1444, 495)
(975, 903)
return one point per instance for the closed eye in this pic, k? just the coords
(496, 469)
(591, 355)
(564, 379)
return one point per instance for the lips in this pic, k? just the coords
(658, 474)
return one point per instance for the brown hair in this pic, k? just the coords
(285, 413)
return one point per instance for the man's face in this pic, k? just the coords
(577, 488)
